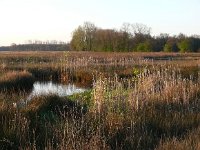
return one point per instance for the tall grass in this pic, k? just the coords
(16, 81)
(161, 104)
(191, 141)
(155, 106)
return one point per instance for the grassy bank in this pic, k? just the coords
(16, 81)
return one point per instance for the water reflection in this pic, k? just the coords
(45, 88)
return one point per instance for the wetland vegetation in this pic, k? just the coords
(132, 100)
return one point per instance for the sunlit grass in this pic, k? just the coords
(146, 105)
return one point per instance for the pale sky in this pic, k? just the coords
(22, 20)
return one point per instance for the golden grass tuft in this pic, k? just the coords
(190, 142)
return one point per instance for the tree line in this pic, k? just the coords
(38, 46)
(130, 38)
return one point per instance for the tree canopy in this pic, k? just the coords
(130, 38)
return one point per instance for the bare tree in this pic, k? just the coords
(90, 30)
(139, 28)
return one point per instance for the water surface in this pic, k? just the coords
(45, 88)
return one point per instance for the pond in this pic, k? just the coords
(45, 88)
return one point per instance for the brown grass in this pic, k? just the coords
(139, 103)
(190, 142)
(16, 81)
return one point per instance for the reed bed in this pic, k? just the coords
(134, 104)
(135, 113)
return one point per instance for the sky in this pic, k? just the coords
(23, 20)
